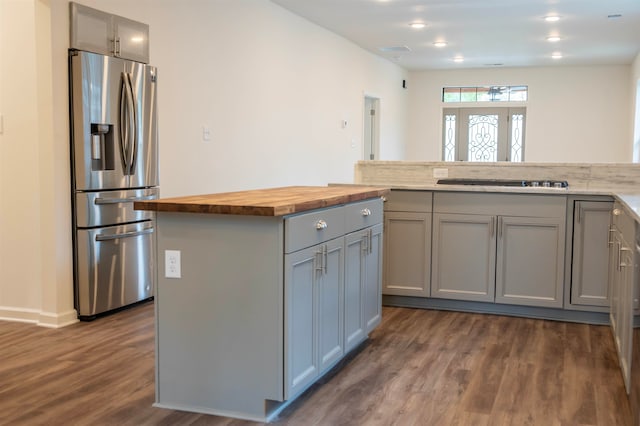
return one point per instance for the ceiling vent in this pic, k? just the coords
(394, 49)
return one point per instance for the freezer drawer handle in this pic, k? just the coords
(100, 200)
(102, 237)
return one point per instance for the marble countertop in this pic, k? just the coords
(630, 200)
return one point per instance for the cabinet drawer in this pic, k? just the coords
(315, 227)
(408, 201)
(363, 214)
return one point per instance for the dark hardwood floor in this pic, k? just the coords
(419, 367)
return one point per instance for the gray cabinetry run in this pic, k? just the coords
(589, 257)
(505, 248)
(621, 281)
(407, 243)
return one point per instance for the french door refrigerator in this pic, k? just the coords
(114, 162)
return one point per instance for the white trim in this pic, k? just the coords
(34, 316)
(54, 320)
(19, 314)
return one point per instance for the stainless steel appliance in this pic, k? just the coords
(114, 162)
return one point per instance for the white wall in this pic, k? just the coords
(574, 114)
(272, 87)
(34, 213)
(634, 90)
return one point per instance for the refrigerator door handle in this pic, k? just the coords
(101, 200)
(127, 123)
(107, 237)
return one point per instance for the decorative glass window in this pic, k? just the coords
(483, 134)
(485, 94)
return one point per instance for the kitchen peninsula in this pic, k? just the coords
(262, 292)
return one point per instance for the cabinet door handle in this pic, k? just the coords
(610, 240)
(619, 261)
(492, 227)
(318, 259)
(321, 224)
(365, 212)
(365, 243)
(499, 227)
(326, 256)
(370, 241)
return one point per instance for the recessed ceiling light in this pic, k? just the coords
(458, 59)
(556, 55)
(440, 43)
(552, 18)
(553, 38)
(417, 25)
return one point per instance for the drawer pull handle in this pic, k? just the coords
(321, 224)
(384, 199)
(365, 212)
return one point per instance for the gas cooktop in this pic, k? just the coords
(543, 183)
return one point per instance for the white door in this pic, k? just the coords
(371, 129)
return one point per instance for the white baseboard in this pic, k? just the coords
(34, 316)
(53, 320)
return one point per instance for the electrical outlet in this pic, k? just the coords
(172, 264)
(440, 173)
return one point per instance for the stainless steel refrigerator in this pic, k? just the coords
(114, 162)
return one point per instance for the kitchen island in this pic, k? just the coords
(262, 292)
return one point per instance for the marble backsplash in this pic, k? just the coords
(591, 176)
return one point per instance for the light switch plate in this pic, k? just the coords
(172, 264)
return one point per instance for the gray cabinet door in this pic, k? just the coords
(363, 282)
(132, 39)
(407, 248)
(589, 267)
(372, 284)
(530, 262)
(301, 312)
(314, 306)
(354, 276)
(464, 257)
(330, 303)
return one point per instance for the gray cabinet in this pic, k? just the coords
(504, 248)
(530, 261)
(100, 32)
(464, 256)
(589, 262)
(332, 288)
(621, 280)
(261, 310)
(407, 243)
(313, 312)
(363, 267)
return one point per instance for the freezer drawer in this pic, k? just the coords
(114, 267)
(112, 207)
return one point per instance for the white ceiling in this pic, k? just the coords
(485, 32)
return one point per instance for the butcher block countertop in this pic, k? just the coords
(265, 202)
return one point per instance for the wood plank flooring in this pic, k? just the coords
(420, 367)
